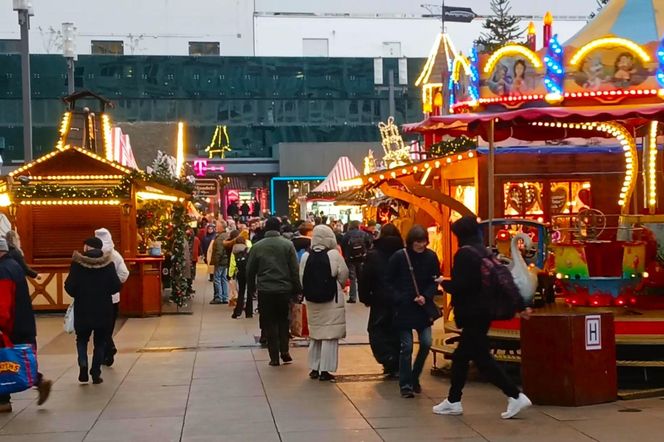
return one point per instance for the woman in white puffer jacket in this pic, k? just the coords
(327, 320)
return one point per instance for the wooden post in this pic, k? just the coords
(491, 178)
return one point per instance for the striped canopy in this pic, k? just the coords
(343, 170)
(641, 21)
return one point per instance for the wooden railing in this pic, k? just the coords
(47, 291)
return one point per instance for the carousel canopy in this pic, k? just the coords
(641, 21)
(342, 170)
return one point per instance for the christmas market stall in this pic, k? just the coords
(321, 201)
(61, 198)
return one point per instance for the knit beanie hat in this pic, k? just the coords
(466, 227)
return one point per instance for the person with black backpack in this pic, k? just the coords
(323, 273)
(481, 292)
(355, 245)
(238, 270)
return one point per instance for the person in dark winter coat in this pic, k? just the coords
(375, 293)
(273, 273)
(20, 326)
(208, 238)
(354, 245)
(409, 304)
(92, 281)
(15, 252)
(472, 315)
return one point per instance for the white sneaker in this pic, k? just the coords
(514, 406)
(448, 408)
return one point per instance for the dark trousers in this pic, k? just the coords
(110, 344)
(474, 346)
(383, 337)
(99, 341)
(242, 298)
(409, 370)
(274, 309)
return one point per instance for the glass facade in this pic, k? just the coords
(262, 100)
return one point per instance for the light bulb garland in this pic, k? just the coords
(555, 74)
(629, 148)
(660, 64)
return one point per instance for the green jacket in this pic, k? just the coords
(272, 266)
(219, 255)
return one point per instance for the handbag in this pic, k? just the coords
(299, 325)
(430, 308)
(18, 367)
(69, 319)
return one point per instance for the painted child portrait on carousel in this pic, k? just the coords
(520, 83)
(608, 69)
(513, 76)
(500, 82)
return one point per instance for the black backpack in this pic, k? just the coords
(241, 259)
(499, 292)
(357, 249)
(318, 284)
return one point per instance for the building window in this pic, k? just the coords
(204, 48)
(315, 47)
(107, 47)
(392, 49)
(10, 46)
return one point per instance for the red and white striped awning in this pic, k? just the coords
(343, 170)
(121, 146)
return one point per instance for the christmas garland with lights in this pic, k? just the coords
(123, 190)
(179, 283)
(451, 147)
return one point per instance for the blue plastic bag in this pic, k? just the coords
(18, 368)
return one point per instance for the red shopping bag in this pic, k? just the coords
(299, 326)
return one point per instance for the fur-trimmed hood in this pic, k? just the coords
(93, 262)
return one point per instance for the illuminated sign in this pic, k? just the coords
(207, 187)
(201, 167)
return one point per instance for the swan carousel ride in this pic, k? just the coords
(605, 82)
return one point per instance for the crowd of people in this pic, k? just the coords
(281, 265)
(328, 265)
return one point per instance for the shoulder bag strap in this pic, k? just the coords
(412, 273)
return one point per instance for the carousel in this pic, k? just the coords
(61, 198)
(565, 170)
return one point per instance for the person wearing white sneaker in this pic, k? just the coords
(472, 314)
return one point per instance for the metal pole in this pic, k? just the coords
(70, 75)
(24, 22)
(491, 178)
(390, 90)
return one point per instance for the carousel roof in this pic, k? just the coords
(641, 21)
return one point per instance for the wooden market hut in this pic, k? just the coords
(61, 198)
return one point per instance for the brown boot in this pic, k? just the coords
(6, 407)
(44, 389)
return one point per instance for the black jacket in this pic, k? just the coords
(409, 314)
(91, 282)
(25, 330)
(465, 285)
(373, 286)
(17, 256)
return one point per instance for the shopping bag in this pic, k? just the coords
(69, 319)
(299, 326)
(18, 367)
(232, 290)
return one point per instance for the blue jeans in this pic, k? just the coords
(409, 375)
(221, 283)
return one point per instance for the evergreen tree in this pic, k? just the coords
(600, 5)
(501, 28)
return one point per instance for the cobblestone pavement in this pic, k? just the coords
(201, 377)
